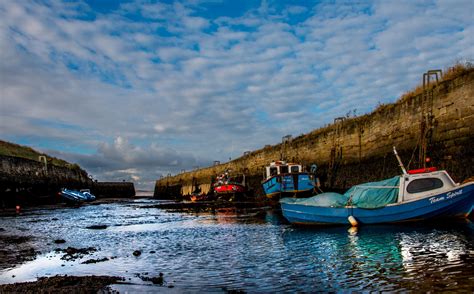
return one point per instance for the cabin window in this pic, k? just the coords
(295, 169)
(273, 171)
(283, 169)
(423, 185)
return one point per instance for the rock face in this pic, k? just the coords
(30, 182)
(438, 122)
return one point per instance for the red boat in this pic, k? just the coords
(229, 188)
(226, 188)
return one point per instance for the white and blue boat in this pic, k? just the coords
(74, 196)
(284, 179)
(417, 195)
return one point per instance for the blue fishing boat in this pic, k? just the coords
(284, 179)
(416, 195)
(74, 196)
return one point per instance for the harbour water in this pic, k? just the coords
(252, 252)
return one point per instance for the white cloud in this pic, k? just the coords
(197, 86)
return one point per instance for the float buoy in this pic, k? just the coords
(352, 221)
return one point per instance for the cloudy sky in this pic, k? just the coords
(136, 89)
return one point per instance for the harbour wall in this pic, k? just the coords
(29, 182)
(437, 122)
(113, 189)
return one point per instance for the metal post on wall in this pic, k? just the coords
(43, 158)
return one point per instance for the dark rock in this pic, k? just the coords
(72, 253)
(155, 280)
(95, 260)
(97, 227)
(54, 219)
(59, 241)
(18, 239)
(62, 284)
(137, 253)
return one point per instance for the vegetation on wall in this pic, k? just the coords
(15, 150)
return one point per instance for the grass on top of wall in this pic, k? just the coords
(15, 150)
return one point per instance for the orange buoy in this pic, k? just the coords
(352, 220)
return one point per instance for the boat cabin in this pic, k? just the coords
(422, 183)
(282, 167)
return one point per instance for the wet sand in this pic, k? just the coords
(15, 250)
(63, 284)
(18, 249)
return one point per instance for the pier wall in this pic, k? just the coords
(438, 121)
(29, 182)
(113, 189)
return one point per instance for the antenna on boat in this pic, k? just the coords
(400, 163)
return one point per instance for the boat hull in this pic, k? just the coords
(455, 203)
(229, 191)
(73, 196)
(288, 185)
(199, 197)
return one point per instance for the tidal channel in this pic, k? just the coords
(227, 250)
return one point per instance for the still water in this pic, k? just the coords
(250, 252)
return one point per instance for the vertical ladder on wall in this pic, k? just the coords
(285, 141)
(427, 117)
(336, 150)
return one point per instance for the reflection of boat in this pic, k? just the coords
(401, 258)
(228, 188)
(75, 196)
(287, 179)
(416, 195)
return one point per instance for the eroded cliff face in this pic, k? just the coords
(32, 182)
(438, 123)
(29, 182)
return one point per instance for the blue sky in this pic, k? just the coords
(136, 89)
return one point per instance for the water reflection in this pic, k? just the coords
(248, 250)
(388, 257)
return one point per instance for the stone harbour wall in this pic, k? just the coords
(29, 182)
(438, 122)
(113, 189)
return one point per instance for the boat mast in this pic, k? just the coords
(400, 163)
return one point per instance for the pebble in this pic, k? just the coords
(97, 227)
(137, 253)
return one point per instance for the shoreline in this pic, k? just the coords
(63, 284)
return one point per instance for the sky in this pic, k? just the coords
(133, 90)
